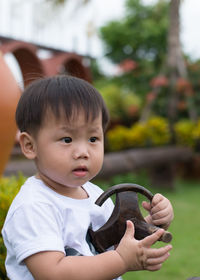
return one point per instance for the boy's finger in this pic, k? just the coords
(159, 206)
(155, 253)
(159, 260)
(151, 239)
(146, 205)
(130, 229)
(160, 214)
(156, 199)
(154, 267)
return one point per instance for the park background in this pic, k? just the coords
(151, 86)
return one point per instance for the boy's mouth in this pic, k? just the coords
(80, 171)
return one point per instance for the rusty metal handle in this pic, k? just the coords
(167, 236)
(123, 188)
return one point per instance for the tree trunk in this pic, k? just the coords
(176, 69)
(175, 61)
(176, 64)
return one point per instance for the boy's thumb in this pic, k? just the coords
(130, 229)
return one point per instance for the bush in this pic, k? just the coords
(117, 138)
(123, 104)
(9, 187)
(196, 131)
(154, 132)
(137, 136)
(158, 131)
(184, 131)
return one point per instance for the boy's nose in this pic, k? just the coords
(81, 151)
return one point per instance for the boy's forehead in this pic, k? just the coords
(76, 116)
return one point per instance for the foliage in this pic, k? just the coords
(187, 97)
(196, 131)
(141, 36)
(117, 138)
(184, 131)
(158, 131)
(138, 44)
(9, 187)
(154, 132)
(188, 133)
(123, 104)
(96, 70)
(193, 76)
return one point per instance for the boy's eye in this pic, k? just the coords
(67, 140)
(93, 139)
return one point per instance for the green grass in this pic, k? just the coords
(184, 261)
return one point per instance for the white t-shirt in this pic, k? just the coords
(40, 219)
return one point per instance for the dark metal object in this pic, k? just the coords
(126, 208)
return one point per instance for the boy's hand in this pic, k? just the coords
(160, 210)
(138, 255)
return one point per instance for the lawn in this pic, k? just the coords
(184, 261)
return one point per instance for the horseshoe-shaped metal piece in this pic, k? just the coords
(126, 208)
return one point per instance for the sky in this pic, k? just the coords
(73, 29)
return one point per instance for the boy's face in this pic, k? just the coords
(68, 154)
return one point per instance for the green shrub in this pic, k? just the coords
(158, 131)
(123, 105)
(9, 187)
(137, 136)
(117, 138)
(184, 133)
(154, 132)
(196, 131)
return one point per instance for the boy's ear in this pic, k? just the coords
(27, 144)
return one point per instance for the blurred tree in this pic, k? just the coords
(179, 94)
(146, 46)
(140, 37)
(149, 38)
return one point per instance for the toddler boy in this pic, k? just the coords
(62, 121)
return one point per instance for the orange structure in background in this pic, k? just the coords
(32, 67)
(9, 95)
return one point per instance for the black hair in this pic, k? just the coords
(59, 92)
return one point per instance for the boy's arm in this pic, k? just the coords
(54, 265)
(130, 254)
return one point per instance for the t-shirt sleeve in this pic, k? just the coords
(35, 228)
